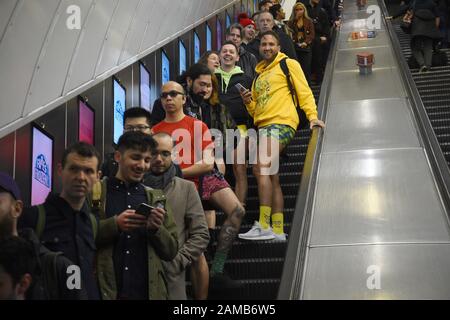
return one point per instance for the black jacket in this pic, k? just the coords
(332, 8)
(247, 62)
(70, 232)
(231, 98)
(423, 24)
(415, 5)
(286, 45)
(320, 19)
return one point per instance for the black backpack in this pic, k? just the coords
(49, 274)
(304, 122)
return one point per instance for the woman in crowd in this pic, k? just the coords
(249, 26)
(303, 35)
(321, 38)
(211, 59)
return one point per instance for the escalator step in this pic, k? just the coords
(254, 268)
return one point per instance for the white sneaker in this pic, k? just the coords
(279, 237)
(258, 233)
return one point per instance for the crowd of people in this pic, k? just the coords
(305, 36)
(131, 227)
(427, 23)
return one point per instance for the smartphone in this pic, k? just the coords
(240, 87)
(144, 209)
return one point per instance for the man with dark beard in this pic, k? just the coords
(196, 88)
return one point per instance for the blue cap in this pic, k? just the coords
(8, 184)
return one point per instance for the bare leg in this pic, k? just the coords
(277, 195)
(240, 171)
(210, 216)
(200, 278)
(263, 173)
(230, 205)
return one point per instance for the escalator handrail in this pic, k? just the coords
(294, 263)
(428, 138)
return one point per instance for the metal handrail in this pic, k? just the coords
(294, 264)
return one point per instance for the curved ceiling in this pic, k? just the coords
(52, 50)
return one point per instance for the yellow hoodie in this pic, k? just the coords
(272, 102)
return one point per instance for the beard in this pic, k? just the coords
(196, 97)
(6, 226)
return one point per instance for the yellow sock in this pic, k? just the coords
(264, 216)
(277, 223)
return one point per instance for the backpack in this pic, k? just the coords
(301, 114)
(49, 274)
(97, 200)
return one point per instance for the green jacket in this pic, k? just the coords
(162, 245)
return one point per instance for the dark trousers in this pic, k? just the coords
(304, 58)
(319, 58)
(422, 50)
(443, 28)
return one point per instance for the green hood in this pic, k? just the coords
(226, 76)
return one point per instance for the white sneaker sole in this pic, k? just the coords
(279, 238)
(244, 237)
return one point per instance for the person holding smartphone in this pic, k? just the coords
(131, 245)
(232, 80)
(274, 113)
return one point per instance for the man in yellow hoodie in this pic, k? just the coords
(274, 113)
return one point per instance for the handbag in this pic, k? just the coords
(405, 25)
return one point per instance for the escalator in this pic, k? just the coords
(434, 90)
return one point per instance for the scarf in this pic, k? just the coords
(162, 180)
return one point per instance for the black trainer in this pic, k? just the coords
(222, 286)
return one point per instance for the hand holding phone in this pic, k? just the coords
(128, 220)
(240, 87)
(144, 209)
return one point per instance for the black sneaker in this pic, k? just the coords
(423, 69)
(222, 281)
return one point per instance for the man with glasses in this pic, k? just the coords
(194, 153)
(134, 119)
(193, 235)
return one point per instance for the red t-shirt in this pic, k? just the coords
(192, 137)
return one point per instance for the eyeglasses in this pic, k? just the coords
(136, 128)
(172, 94)
(164, 154)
